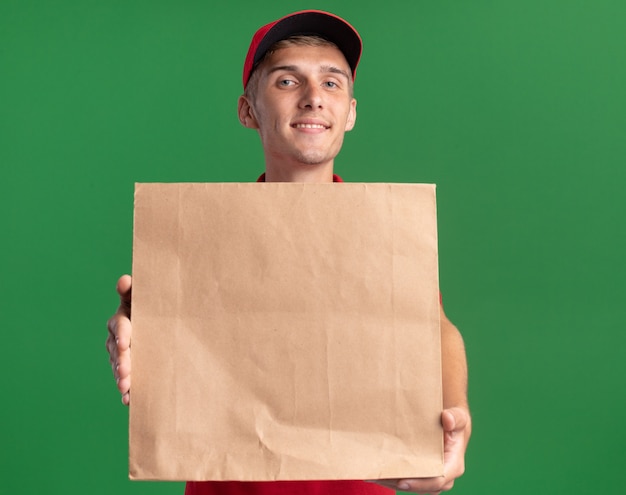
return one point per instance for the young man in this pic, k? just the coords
(298, 95)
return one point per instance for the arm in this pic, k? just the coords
(118, 340)
(455, 418)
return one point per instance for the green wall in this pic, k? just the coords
(515, 109)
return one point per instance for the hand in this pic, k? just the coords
(118, 340)
(457, 429)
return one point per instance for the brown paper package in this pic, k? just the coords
(285, 331)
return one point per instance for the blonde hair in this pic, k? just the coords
(298, 40)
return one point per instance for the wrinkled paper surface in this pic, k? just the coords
(285, 331)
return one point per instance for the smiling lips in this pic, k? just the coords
(306, 125)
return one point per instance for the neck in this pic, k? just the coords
(300, 173)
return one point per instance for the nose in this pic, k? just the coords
(312, 97)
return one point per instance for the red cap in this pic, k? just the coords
(305, 22)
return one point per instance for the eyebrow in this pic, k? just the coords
(323, 69)
(335, 70)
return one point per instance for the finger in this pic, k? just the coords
(123, 385)
(122, 366)
(422, 485)
(120, 330)
(448, 486)
(111, 348)
(454, 419)
(122, 377)
(425, 486)
(124, 289)
(118, 339)
(119, 356)
(393, 484)
(418, 485)
(120, 359)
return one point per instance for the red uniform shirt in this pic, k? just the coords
(341, 487)
(336, 178)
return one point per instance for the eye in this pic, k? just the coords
(330, 84)
(285, 83)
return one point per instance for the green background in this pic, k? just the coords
(515, 109)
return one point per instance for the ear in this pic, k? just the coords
(246, 113)
(351, 116)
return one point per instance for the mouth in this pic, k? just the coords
(310, 125)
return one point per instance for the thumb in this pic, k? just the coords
(124, 288)
(454, 419)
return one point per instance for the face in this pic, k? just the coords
(303, 106)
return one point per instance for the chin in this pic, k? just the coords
(313, 158)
